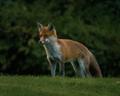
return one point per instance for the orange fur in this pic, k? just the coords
(69, 50)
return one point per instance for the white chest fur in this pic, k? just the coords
(53, 49)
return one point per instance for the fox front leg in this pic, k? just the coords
(52, 67)
(62, 69)
(53, 70)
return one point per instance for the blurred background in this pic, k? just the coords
(95, 23)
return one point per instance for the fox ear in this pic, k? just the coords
(51, 27)
(40, 26)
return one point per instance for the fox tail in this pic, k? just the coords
(95, 68)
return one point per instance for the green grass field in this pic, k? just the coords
(48, 86)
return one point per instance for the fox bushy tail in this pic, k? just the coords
(95, 66)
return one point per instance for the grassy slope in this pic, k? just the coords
(47, 86)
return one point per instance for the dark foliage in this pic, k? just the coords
(94, 23)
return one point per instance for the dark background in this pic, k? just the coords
(95, 23)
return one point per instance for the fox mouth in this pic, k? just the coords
(42, 42)
(46, 41)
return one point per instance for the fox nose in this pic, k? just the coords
(43, 41)
(40, 41)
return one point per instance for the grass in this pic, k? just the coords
(48, 86)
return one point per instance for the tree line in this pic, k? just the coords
(94, 23)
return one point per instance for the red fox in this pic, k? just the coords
(60, 51)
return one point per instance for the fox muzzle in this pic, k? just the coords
(43, 41)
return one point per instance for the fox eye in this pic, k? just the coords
(40, 35)
(45, 36)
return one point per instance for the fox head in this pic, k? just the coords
(47, 33)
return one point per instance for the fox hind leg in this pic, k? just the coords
(74, 68)
(82, 67)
